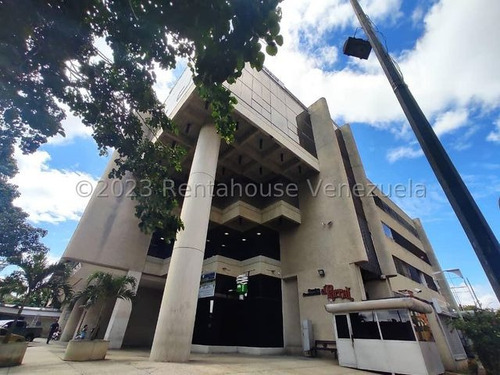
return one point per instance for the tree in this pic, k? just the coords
(16, 234)
(483, 328)
(33, 276)
(102, 287)
(49, 58)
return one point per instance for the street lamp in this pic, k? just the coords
(476, 228)
(464, 285)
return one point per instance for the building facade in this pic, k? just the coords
(286, 206)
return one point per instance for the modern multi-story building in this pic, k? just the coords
(287, 204)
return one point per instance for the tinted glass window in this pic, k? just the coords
(342, 327)
(364, 325)
(415, 274)
(395, 325)
(430, 282)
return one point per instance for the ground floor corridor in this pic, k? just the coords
(45, 359)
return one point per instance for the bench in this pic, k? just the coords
(330, 346)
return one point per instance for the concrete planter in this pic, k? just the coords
(12, 354)
(86, 350)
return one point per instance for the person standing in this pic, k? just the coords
(53, 328)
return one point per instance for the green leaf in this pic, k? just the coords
(272, 50)
(279, 40)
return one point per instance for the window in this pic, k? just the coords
(364, 325)
(401, 267)
(430, 282)
(404, 243)
(387, 230)
(387, 209)
(414, 273)
(421, 325)
(342, 327)
(395, 325)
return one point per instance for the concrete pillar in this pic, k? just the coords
(63, 318)
(69, 329)
(119, 317)
(174, 328)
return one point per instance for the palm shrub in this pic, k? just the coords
(483, 328)
(102, 287)
(34, 277)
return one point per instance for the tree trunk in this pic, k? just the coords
(94, 335)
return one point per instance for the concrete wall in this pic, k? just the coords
(142, 323)
(371, 212)
(317, 245)
(108, 232)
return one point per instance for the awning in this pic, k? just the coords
(380, 304)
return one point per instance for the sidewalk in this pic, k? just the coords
(46, 359)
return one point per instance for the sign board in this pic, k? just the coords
(242, 285)
(330, 292)
(207, 285)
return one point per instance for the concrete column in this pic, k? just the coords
(63, 318)
(119, 317)
(69, 329)
(174, 328)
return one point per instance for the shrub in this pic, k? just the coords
(483, 328)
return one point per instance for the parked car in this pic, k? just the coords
(22, 329)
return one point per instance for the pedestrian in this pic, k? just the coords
(83, 333)
(53, 328)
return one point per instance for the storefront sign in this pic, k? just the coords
(330, 292)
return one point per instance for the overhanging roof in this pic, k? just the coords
(380, 304)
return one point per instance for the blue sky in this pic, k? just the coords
(448, 53)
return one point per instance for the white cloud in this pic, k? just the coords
(417, 15)
(47, 194)
(454, 63)
(403, 152)
(463, 142)
(494, 135)
(73, 129)
(452, 67)
(450, 121)
(165, 79)
(484, 294)
(53, 258)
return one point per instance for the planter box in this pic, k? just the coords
(12, 354)
(86, 350)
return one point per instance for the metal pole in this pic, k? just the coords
(476, 300)
(473, 222)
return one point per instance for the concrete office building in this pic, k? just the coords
(291, 208)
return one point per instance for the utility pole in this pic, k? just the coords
(473, 222)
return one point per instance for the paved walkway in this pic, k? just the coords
(46, 359)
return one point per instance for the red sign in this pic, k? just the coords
(332, 293)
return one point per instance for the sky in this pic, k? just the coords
(448, 53)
